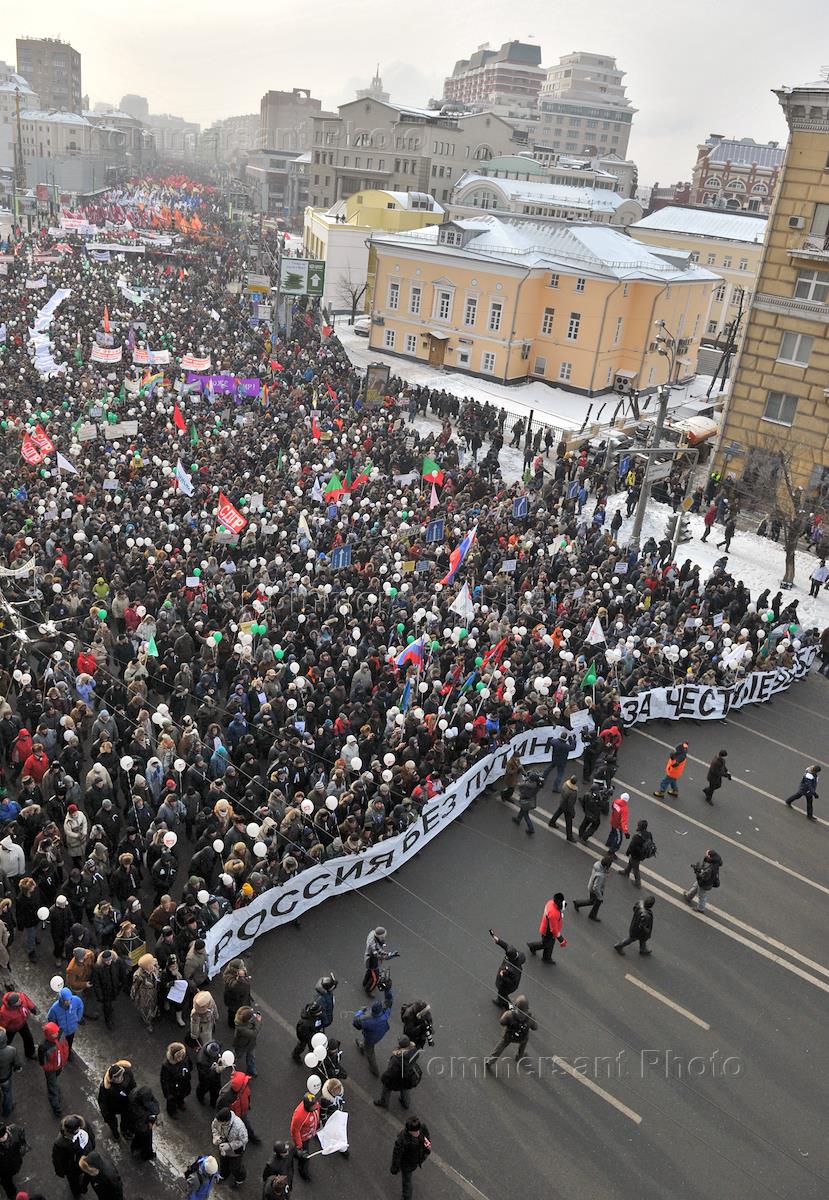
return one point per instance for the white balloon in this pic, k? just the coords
(331, 803)
(228, 1058)
(43, 914)
(356, 764)
(314, 1084)
(219, 846)
(56, 982)
(319, 1041)
(307, 806)
(310, 1059)
(260, 849)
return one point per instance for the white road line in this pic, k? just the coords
(724, 837)
(709, 912)
(683, 1012)
(774, 741)
(742, 782)
(802, 707)
(594, 1087)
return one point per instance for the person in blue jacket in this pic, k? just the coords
(200, 1176)
(808, 790)
(374, 1026)
(67, 1014)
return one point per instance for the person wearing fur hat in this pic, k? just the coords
(113, 1097)
(144, 990)
(204, 1017)
(176, 1078)
(75, 1138)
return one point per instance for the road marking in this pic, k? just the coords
(594, 1087)
(466, 1185)
(802, 708)
(706, 917)
(742, 782)
(724, 837)
(774, 741)
(683, 1012)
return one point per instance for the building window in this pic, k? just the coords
(743, 264)
(581, 283)
(488, 362)
(547, 320)
(780, 408)
(394, 294)
(443, 305)
(694, 256)
(495, 312)
(554, 280)
(470, 311)
(463, 358)
(565, 370)
(540, 366)
(719, 293)
(812, 285)
(411, 343)
(573, 326)
(726, 262)
(712, 327)
(415, 296)
(388, 339)
(795, 348)
(617, 333)
(820, 221)
(626, 289)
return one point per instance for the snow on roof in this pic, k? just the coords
(408, 200)
(706, 222)
(745, 152)
(16, 83)
(596, 250)
(533, 191)
(62, 118)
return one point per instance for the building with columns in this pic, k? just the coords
(779, 400)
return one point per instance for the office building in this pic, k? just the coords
(53, 70)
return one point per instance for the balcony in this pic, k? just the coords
(813, 248)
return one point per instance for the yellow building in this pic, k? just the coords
(572, 304)
(729, 244)
(778, 396)
(338, 235)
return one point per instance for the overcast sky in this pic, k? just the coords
(692, 69)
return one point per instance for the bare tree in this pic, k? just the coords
(350, 291)
(767, 485)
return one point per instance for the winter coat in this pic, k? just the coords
(512, 772)
(66, 1151)
(144, 1109)
(569, 796)
(309, 1023)
(619, 815)
(550, 920)
(325, 999)
(53, 1052)
(144, 994)
(203, 1022)
(717, 771)
(75, 833)
(639, 845)
(561, 749)
(66, 1012)
(230, 1137)
(641, 925)
(108, 979)
(808, 785)
(13, 1019)
(403, 1071)
(176, 1078)
(235, 1094)
(106, 1184)
(304, 1124)
(676, 763)
(12, 1151)
(114, 1096)
(245, 1034)
(707, 872)
(9, 1058)
(411, 1149)
(374, 1025)
(598, 880)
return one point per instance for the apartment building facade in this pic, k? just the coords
(583, 107)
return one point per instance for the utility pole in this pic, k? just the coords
(668, 349)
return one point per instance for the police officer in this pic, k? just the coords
(509, 972)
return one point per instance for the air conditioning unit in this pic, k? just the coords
(621, 385)
(796, 222)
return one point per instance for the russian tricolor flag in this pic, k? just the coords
(457, 556)
(412, 654)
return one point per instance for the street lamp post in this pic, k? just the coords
(667, 347)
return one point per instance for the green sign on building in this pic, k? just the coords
(302, 277)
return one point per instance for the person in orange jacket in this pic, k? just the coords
(618, 822)
(304, 1125)
(673, 771)
(550, 929)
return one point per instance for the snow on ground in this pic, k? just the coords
(566, 410)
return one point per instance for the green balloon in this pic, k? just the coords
(217, 637)
(393, 592)
(102, 613)
(462, 632)
(410, 639)
(194, 466)
(167, 604)
(44, 416)
(436, 645)
(197, 571)
(479, 662)
(4, 424)
(112, 417)
(404, 514)
(400, 627)
(793, 628)
(769, 616)
(260, 629)
(479, 687)
(279, 654)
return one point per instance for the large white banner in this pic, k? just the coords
(237, 931)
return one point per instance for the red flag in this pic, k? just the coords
(495, 653)
(178, 419)
(42, 440)
(316, 432)
(331, 391)
(275, 366)
(230, 516)
(106, 319)
(30, 452)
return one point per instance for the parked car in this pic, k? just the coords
(362, 326)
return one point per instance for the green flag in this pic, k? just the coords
(194, 434)
(122, 395)
(589, 678)
(152, 649)
(431, 471)
(279, 461)
(78, 356)
(334, 488)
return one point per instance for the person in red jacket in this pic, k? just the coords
(21, 749)
(236, 1096)
(708, 520)
(304, 1125)
(37, 764)
(550, 929)
(53, 1055)
(15, 1010)
(618, 822)
(87, 663)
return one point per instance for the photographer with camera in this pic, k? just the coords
(707, 875)
(417, 1023)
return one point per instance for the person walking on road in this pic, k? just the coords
(15, 1010)
(527, 801)
(402, 1074)
(102, 1176)
(374, 1026)
(517, 1023)
(730, 530)
(596, 804)
(641, 926)
(9, 1064)
(707, 875)
(75, 1138)
(717, 772)
(808, 790)
(673, 771)
(375, 953)
(708, 520)
(509, 972)
(618, 822)
(304, 1125)
(411, 1149)
(13, 1146)
(200, 1177)
(513, 771)
(550, 929)
(596, 887)
(53, 1055)
(819, 576)
(567, 806)
(640, 847)
(563, 746)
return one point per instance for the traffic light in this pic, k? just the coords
(684, 522)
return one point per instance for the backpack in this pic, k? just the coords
(649, 848)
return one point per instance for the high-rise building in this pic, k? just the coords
(53, 70)
(136, 106)
(736, 173)
(496, 80)
(583, 106)
(778, 410)
(375, 89)
(286, 119)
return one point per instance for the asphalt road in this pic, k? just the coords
(697, 1072)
